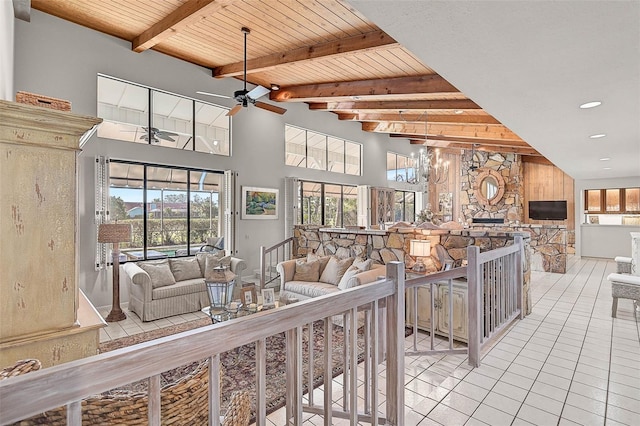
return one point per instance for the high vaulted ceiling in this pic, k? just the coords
(324, 53)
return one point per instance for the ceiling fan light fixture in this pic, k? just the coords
(275, 87)
(591, 104)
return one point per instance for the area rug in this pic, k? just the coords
(238, 365)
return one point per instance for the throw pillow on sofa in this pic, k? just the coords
(185, 269)
(202, 259)
(346, 281)
(362, 264)
(335, 269)
(212, 262)
(160, 273)
(312, 257)
(307, 271)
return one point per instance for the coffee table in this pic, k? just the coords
(225, 315)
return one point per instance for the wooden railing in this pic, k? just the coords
(494, 281)
(67, 384)
(270, 257)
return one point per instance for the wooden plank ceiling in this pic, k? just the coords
(323, 53)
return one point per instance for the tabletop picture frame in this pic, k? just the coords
(248, 295)
(268, 298)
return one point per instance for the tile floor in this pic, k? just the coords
(568, 363)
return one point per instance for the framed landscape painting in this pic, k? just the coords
(259, 203)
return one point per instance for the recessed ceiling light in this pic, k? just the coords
(605, 159)
(592, 104)
(355, 98)
(458, 111)
(275, 86)
(607, 168)
(598, 136)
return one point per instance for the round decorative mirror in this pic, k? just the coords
(489, 187)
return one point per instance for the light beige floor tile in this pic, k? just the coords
(447, 416)
(492, 416)
(544, 403)
(502, 403)
(461, 403)
(625, 402)
(509, 390)
(581, 417)
(536, 416)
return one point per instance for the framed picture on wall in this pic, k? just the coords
(259, 203)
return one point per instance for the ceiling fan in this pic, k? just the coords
(155, 135)
(245, 97)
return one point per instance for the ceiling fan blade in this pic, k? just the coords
(258, 92)
(270, 107)
(166, 138)
(214, 94)
(233, 111)
(165, 133)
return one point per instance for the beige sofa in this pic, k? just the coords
(291, 288)
(167, 287)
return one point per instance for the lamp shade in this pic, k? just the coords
(114, 233)
(419, 248)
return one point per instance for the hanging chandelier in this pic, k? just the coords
(429, 167)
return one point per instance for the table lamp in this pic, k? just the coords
(419, 249)
(115, 233)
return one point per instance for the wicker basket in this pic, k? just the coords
(184, 402)
(43, 101)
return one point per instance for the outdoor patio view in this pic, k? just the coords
(172, 211)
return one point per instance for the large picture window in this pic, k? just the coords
(172, 210)
(135, 113)
(313, 150)
(330, 205)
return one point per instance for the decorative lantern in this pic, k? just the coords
(220, 286)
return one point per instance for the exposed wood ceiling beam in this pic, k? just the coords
(461, 104)
(362, 42)
(482, 131)
(463, 140)
(422, 84)
(190, 12)
(414, 117)
(528, 151)
(538, 159)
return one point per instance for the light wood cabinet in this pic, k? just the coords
(41, 305)
(441, 326)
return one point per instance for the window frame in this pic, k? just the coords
(322, 197)
(145, 188)
(327, 153)
(196, 129)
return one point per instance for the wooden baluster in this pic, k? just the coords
(154, 400)
(214, 390)
(261, 382)
(328, 369)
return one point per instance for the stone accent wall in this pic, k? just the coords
(393, 245)
(509, 166)
(549, 244)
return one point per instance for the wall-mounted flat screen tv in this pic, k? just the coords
(548, 210)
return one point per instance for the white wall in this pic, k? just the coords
(6, 50)
(60, 59)
(611, 239)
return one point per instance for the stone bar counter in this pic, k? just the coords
(548, 244)
(385, 246)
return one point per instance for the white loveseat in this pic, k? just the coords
(293, 287)
(167, 287)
